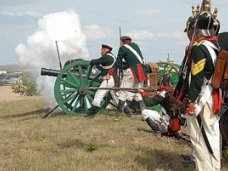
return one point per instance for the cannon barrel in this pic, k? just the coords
(49, 72)
(55, 73)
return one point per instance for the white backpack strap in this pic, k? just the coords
(207, 90)
(135, 53)
(109, 66)
(211, 48)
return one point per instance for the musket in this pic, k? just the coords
(183, 67)
(194, 32)
(118, 89)
(180, 91)
(121, 63)
(124, 89)
(120, 34)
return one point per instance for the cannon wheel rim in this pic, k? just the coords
(67, 88)
(169, 68)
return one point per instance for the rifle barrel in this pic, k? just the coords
(122, 89)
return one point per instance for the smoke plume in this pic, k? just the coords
(40, 48)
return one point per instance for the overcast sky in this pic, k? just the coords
(157, 26)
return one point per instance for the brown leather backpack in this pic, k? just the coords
(220, 76)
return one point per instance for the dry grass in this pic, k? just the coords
(59, 143)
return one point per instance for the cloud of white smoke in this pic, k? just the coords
(40, 49)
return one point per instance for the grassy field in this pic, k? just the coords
(62, 142)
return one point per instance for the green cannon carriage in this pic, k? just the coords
(71, 89)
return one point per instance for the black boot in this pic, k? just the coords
(120, 107)
(152, 124)
(92, 111)
(128, 111)
(141, 105)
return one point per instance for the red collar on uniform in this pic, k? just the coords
(164, 88)
(210, 38)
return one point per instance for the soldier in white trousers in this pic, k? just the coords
(204, 101)
(104, 64)
(158, 121)
(131, 63)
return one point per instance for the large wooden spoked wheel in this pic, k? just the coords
(71, 85)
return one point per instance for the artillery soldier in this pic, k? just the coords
(104, 64)
(203, 100)
(130, 63)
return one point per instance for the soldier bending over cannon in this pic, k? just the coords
(104, 63)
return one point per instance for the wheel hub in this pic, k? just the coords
(83, 90)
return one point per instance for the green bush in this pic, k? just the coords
(27, 86)
(90, 147)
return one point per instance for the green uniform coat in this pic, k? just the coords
(202, 67)
(131, 61)
(105, 60)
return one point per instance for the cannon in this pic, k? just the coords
(72, 86)
(69, 90)
(170, 68)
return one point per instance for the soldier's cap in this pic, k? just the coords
(190, 23)
(125, 38)
(205, 24)
(106, 46)
(216, 26)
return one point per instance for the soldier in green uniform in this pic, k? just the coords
(203, 121)
(104, 64)
(158, 121)
(130, 63)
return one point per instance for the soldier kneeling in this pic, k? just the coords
(168, 120)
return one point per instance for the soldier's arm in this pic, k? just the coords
(100, 61)
(197, 72)
(152, 101)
